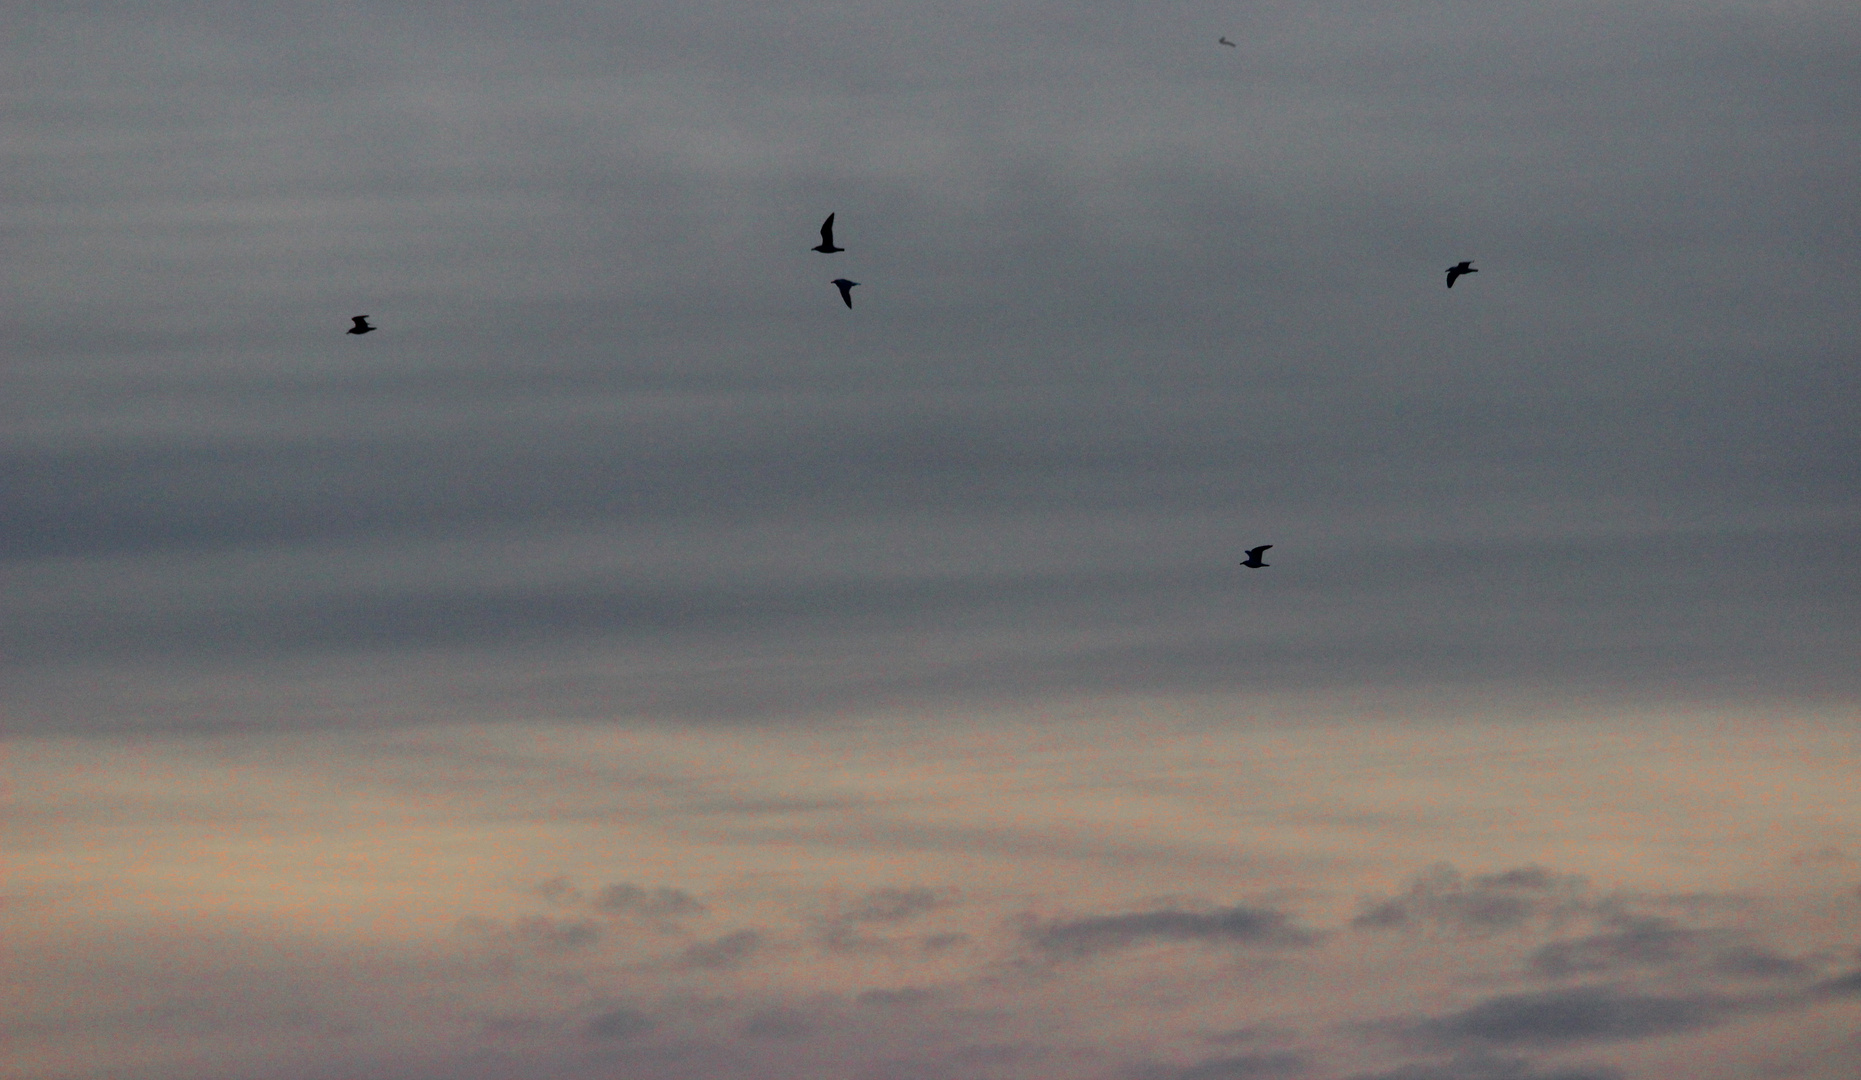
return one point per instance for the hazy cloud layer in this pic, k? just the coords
(1130, 302)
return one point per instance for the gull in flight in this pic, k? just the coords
(1253, 557)
(826, 246)
(1459, 268)
(1228, 43)
(361, 325)
(846, 289)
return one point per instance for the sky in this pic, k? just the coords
(632, 662)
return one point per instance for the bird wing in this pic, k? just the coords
(827, 230)
(359, 320)
(1452, 273)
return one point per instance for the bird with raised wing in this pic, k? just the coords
(846, 289)
(1459, 268)
(1228, 43)
(1253, 557)
(361, 325)
(826, 246)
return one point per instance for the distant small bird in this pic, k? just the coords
(361, 325)
(1458, 269)
(1253, 557)
(826, 246)
(846, 289)
(1228, 43)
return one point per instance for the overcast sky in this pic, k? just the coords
(874, 694)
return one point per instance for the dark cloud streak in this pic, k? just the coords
(1576, 1016)
(1233, 1067)
(1239, 925)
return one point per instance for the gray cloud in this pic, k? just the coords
(1236, 1067)
(1440, 899)
(1632, 941)
(559, 890)
(1581, 1015)
(1848, 985)
(617, 1024)
(1482, 1067)
(895, 905)
(539, 934)
(551, 935)
(848, 927)
(658, 902)
(521, 1026)
(779, 1023)
(1252, 1033)
(895, 997)
(727, 951)
(1101, 933)
(937, 943)
(1752, 962)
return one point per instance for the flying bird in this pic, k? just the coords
(1228, 43)
(1253, 557)
(1458, 269)
(846, 289)
(826, 246)
(361, 325)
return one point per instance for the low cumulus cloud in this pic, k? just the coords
(1439, 899)
(1102, 933)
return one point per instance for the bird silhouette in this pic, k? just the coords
(1459, 268)
(361, 325)
(826, 246)
(1228, 43)
(1253, 557)
(846, 289)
